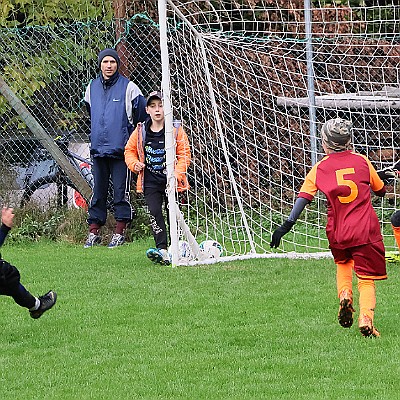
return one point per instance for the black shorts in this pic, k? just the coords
(9, 276)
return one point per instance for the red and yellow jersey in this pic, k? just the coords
(346, 179)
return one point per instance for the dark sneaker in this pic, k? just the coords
(158, 256)
(366, 327)
(46, 302)
(116, 240)
(92, 240)
(346, 310)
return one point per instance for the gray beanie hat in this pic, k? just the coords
(336, 134)
(108, 52)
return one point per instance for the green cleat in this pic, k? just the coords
(392, 257)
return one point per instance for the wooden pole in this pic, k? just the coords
(120, 21)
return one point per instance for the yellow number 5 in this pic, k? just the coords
(347, 182)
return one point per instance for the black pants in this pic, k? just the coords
(155, 199)
(10, 285)
(104, 169)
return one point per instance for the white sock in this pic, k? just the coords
(36, 306)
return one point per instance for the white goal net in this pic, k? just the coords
(252, 82)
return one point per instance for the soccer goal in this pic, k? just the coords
(252, 82)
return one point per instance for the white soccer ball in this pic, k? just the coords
(212, 248)
(184, 251)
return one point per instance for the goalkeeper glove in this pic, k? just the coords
(281, 231)
(391, 172)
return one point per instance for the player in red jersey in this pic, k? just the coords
(353, 231)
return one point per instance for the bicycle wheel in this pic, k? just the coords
(62, 183)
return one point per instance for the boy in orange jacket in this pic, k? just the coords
(145, 155)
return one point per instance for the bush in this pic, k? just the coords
(32, 223)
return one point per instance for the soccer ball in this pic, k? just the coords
(184, 251)
(212, 248)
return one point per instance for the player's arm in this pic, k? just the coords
(306, 194)
(7, 217)
(297, 209)
(376, 182)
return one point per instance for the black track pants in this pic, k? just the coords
(155, 198)
(11, 286)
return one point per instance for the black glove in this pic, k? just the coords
(281, 231)
(390, 172)
(387, 173)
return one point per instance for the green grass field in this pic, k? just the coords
(124, 328)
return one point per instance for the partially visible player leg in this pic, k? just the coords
(369, 266)
(366, 287)
(10, 285)
(395, 220)
(344, 277)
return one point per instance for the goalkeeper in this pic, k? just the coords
(10, 278)
(353, 231)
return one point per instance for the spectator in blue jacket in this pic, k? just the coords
(115, 105)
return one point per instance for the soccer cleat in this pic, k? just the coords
(166, 260)
(346, 310)
(46, 302)
(116, 240)
(158, 256)
(366, 327)
(92, 240)
(392, 257)
(153, 255)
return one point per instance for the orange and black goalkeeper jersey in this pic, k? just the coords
(346, 179)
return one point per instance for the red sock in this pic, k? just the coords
(120, 228)
(94, 228)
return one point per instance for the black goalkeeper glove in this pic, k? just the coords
(387, 173)
(390, 173)
(279, 232)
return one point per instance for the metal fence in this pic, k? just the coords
(47, 69)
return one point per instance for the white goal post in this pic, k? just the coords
(238, 77)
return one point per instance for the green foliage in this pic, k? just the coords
(43, 12)
(30, 70)
(34, 224)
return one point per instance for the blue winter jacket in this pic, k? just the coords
(115, 107)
